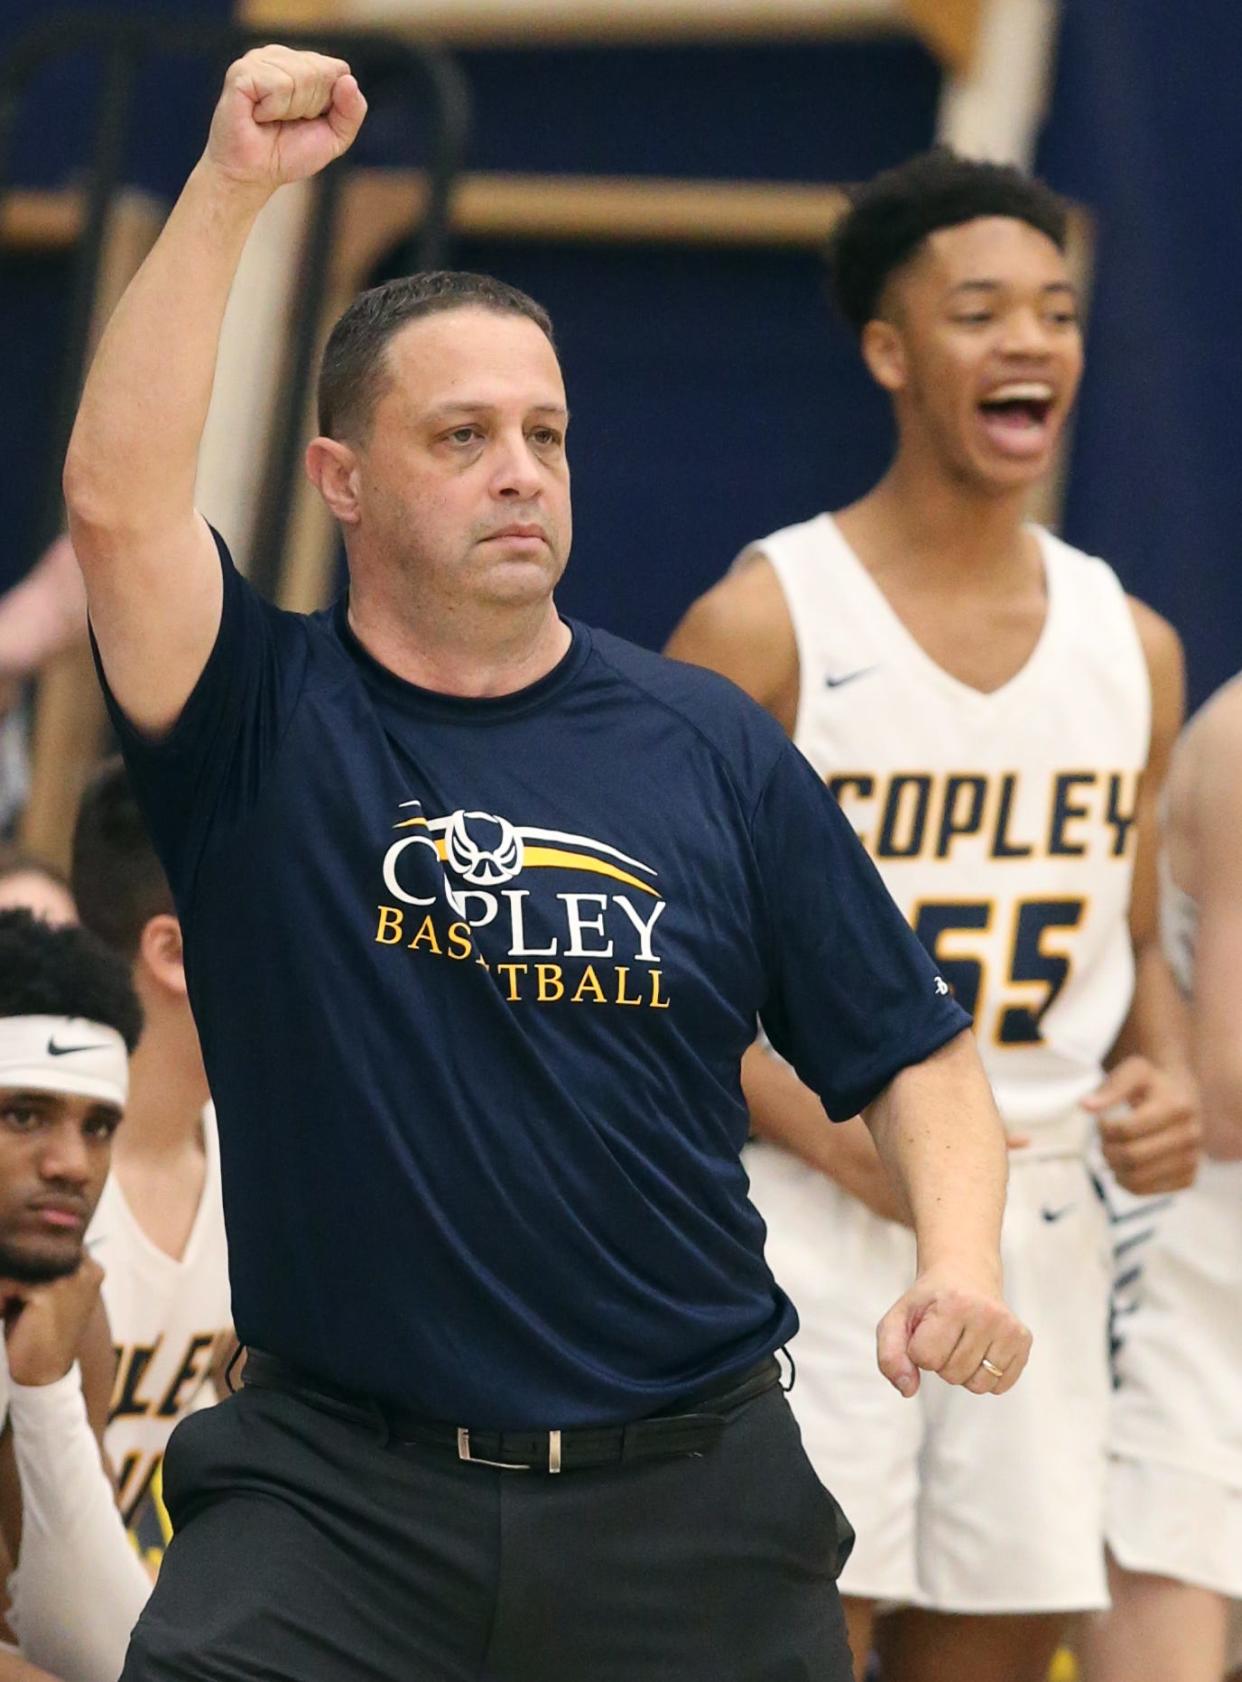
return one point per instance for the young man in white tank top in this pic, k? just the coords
(1177, 1412)
(68, 1020)
(159, 1230)
(985, 701)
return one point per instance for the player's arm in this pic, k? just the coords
(789, 1114)
(43, 614)
(936, 1128)
(72, 1552)
(14, 1668)
(1216, 817)
(742, 629)
(152, 574)
(1152, 1144)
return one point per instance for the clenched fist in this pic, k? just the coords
(283, 116)
(956, 1326)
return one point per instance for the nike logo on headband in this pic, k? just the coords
(54, 1050)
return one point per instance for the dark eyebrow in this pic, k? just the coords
(35, 1096)
(105, 1112)
(443, 410)
(993, 286)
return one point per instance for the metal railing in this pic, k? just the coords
(124, 41)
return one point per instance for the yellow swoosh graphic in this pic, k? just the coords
(555, 858)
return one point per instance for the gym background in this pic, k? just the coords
(714, 395)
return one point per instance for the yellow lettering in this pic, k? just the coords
(390, 920)
(512, 971)
(1122, 821)
(1002, 846)
(191, 1375)
(589, 983)
(622, 998)
(656, 1002)
(551, 986)
(460, 943)
(427, 934)
(1065, 811)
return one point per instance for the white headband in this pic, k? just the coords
(64, 1054)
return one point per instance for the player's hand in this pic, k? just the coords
(44, 1324)
(949, 1322)
(1154, 1141)
(283, 116)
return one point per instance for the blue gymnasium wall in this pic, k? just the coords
(714, 397)
(1146, 129)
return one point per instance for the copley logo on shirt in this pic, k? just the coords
(449, 878)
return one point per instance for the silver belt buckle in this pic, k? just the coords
(463, 1453)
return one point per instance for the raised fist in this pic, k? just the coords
(283, 115)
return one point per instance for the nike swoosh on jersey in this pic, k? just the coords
(1051, 1215)
(846, 677)
(54, 1050)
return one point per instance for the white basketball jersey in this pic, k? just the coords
(169, 1319)
(1003, 824)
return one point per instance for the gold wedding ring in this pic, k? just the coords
(990, 1366)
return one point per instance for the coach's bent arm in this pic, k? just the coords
(152, 575)
(936, 1128)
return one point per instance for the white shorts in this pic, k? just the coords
(962, 1503)
(1174, 1523)
(1175, 1481)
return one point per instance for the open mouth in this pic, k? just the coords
(1016, 417)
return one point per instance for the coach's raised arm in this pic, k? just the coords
(151, 569)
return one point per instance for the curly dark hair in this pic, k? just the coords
(353, 374)
(890, 217)
(46, 971)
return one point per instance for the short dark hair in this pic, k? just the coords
(116, 877)
(65, 971)
(890, 216)
(352, 373)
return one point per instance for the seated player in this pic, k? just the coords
(1175, 1480)
(68, 1020)
(159, 1229)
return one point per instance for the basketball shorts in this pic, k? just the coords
(1175, 1474)
(961, 1503)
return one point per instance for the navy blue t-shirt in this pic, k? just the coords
(474, 979)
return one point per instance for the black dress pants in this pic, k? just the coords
(308, 1550)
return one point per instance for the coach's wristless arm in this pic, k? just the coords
(937, 1131)
(134, 451)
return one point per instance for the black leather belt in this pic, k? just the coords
(692, 1430)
